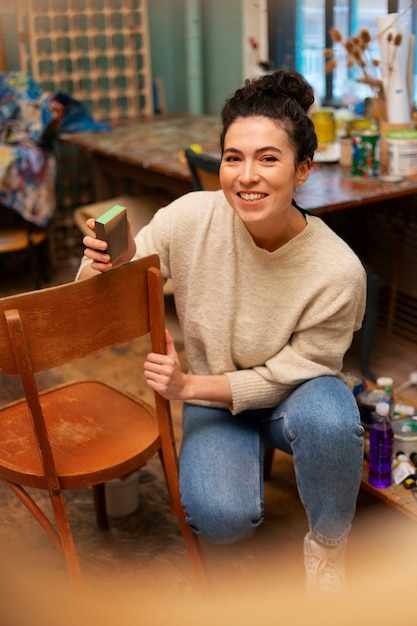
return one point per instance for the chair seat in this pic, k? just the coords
(92, 416)
(15, 239)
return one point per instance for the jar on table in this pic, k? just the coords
(324, 125)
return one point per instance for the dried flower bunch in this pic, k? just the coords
(358, 54)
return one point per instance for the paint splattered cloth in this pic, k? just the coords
(29, 119)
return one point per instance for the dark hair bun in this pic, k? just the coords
(287, 83)
(283, 96)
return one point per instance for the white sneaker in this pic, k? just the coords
(324, 566)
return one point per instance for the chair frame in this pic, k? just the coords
(34, 330)
(204, 170)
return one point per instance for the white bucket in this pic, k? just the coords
(122, 495)
(405, 435)
(402, 152)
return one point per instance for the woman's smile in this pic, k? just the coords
(251, 197)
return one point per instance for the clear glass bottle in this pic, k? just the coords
(381, 447)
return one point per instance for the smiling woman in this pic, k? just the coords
(267, 317)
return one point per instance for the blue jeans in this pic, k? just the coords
(221, 461)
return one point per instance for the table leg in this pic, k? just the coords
(102, 181)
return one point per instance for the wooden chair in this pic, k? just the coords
(204, 170)
(84, 433)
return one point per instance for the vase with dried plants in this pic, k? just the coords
(388, 77)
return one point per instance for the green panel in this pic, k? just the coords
(167, 42)
(222, 51)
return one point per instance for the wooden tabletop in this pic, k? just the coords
(155, 146)
(331, 187)
(405, 500)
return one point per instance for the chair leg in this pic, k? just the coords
(36, 511)
(99, 495)
(34, 260)
(191, 542)
(61, 536)
(368, 330)
(65, 534)
(194, 553)
(268, 458)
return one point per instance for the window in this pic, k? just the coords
(299, 34)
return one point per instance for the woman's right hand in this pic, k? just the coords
(95, 249)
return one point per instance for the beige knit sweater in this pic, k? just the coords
(268, 320)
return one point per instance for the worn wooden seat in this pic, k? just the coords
(88, 432)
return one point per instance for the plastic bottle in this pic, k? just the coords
(381, 447)
(386, 383)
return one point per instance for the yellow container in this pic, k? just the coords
(359, 124)
(324, 125)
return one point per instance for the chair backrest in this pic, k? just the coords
(204, 170)
(78, 319)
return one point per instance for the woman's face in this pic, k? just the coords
(258, 173)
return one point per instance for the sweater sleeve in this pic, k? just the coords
(316, 348)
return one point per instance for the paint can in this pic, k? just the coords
(359, 124)
(365, 154)
(324, 126)
(122, 495)
(402, 152)
(405, 436)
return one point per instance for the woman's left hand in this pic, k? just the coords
(163, 373)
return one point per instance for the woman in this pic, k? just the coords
(268, 298)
